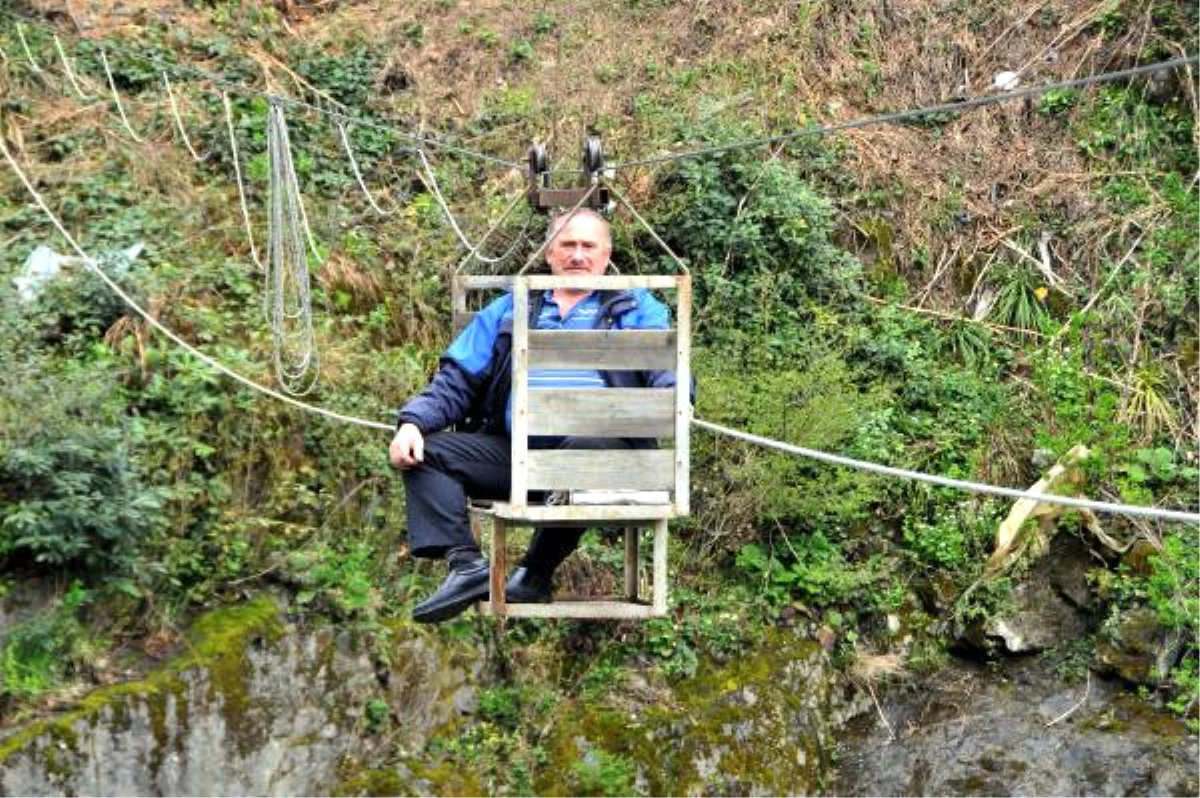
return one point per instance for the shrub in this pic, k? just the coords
(71, 495)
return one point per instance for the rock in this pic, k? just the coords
(255, 707)
(975, 730)
(1038, 619)
(1138, 648)
(1050, 607)
(761, 725)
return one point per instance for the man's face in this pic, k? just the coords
(582, 246)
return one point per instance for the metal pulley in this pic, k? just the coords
(539, 166)
(593, 156)
(594, 194)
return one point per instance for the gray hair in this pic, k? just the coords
(557, 222)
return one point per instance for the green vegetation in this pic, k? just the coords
(919, 297)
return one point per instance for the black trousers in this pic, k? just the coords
(459, 465)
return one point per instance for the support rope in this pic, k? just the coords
(237, 173)
(37, 70)
(117, 98)
(70, 73)
(163, 329)
(187, 142)
(427, 177)
(345, 138)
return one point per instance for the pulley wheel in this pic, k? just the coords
(593, 155)
(539, 165)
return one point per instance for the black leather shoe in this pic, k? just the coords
(462, 588)
(527, 587)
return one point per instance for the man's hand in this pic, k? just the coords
(408, 447)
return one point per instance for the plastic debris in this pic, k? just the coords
(1006, 81)
(44, 264)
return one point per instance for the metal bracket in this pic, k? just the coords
(595, 195)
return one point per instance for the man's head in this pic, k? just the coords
(580, 243)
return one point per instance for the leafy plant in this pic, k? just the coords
(38, 654)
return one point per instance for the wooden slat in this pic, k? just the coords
(659, 590)
(615, 610)
(683, 406)
(603, 412)
(580, 469)
(538, 282)
(617, 350)
(462, 318)
(519, 492)
(478, 282)
(593, 515)
(631, 563)
(499, 569)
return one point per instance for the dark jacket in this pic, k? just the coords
(471, 387)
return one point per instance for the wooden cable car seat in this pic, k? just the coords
(629, 488)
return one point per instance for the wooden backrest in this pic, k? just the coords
(469, 292)
(660, 413)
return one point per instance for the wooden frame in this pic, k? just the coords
(664, 414)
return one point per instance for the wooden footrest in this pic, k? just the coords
(613, 608)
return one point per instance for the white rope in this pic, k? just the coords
(70, 73)
(425, 173)
(958, 484)
(237, 172)
(291, 318)
(517, 240)
(341, 126)
(117, 97)
(28, 53)
(164, 330)
(1121, 509)
(179, 121)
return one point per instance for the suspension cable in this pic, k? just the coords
(227, 85)
(427, 177)
(1108, 507)
(947, 482)
(914, 113)
(345, 139)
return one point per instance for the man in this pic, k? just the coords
(472, 389)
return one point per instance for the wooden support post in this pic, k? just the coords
(660, 567)
(499, 567)
(631, 562)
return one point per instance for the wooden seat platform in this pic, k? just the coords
(633, 488)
